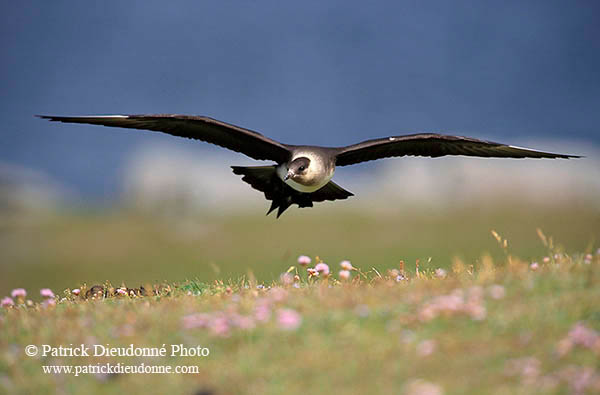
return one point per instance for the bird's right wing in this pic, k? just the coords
(433, 145)
(235, 138)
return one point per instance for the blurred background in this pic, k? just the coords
(86, 204)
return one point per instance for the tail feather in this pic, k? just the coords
(265, 179)
(283, 205)
(274, 205)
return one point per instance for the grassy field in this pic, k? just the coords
(498, 327)
(512, 312)
(61, 250)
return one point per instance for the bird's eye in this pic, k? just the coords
(302, 168)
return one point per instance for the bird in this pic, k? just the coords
(302, 174)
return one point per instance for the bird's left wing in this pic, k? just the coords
(235, 138)
(433, 145)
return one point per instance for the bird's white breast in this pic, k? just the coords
(317, 170)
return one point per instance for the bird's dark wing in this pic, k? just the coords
(433, 145)
(248, 142)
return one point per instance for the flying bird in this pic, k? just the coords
(302, 173)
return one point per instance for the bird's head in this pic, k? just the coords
(298, 169)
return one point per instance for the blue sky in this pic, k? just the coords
(328, 73)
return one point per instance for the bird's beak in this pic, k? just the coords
(288, 175)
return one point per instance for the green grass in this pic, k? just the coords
(368, 335)
(372, 334)
(63, 249)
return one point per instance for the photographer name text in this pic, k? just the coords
(106, 350)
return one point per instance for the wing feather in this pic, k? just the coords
(434, 145)
(232, 137)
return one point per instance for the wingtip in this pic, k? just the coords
(546, 154)
(565, 156)
(79, 117)
(51, 118)
(568, 156)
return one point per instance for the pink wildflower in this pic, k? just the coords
(18, 293)
(322, 268)
(534, 266)
(46, 293)
(528, 368)
(262, 312)
(121, 292)
(344, 274)
(546, 259)
(220, 325)
(288, 319)
(477, 312)
(7, 302)
(581, 335)
(278, 294)
(346, 265)
(49, 302)
(581, 379)
(455, 303)
(286, 279)
(304, 260)
(242, 322)
(312, 272)
(428, 313)
(440, 273)
(76, 291)
(198, 320)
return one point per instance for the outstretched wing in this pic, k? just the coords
(434, 145)
(235, 138)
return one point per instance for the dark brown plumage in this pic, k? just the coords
(278, 182)
(264, 179)
(232, 137)
(433, 145)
